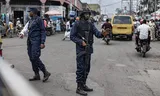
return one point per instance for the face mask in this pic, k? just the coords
(86, 16)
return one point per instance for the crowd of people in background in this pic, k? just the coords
(60, 24)
(154, 27)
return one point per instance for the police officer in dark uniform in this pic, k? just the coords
(35, 42)
(77, 35)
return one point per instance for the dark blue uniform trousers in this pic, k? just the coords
(81, 69)
(34, 52)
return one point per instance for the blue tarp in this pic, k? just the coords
(54, 18)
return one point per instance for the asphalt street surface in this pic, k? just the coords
(117, 69)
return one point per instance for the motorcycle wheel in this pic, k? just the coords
(53, 31)
(144, 50)
(143, 54)
(48, 33)
(107, 42)
(10, 35)
(158, 39)
(129, 38)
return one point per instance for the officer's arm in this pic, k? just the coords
(74, 34)
(25, 29)
(97, 33)
(43, 32)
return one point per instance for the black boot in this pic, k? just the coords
(80, 89)
(86, 88)
(35, 78)
(46, 76)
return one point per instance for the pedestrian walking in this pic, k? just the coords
(35, 42)
(152, 29)
(58, 25)
(69, 25)
(82, 34)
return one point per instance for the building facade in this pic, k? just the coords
(14, 9)
(148, 7)
(95, 7)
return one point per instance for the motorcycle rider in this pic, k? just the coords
(143, 32)
(107, 25)
(10, 27)
(18, 22)
(18, 25)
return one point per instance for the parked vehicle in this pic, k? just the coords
(18, 29)
(50, 29)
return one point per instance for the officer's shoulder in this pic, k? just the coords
(39, 18)
(76, 23)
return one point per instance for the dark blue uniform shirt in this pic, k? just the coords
(37, 32)
(75, 38)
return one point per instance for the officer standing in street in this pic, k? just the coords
(35, 42)
(79, 36)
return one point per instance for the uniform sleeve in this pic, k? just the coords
(97, 33)
(25, 29)
(74, 35)
(43, 32)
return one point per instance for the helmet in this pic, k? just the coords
(81, 13)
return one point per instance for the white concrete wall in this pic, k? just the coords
(61, 9)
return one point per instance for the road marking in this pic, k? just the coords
(120, 65)
(111, 60)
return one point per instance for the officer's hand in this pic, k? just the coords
(42, 46)
(84, 44)
(104, 33)
(21, 36)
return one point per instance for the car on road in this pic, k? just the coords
(122, 25)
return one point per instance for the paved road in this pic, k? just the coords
(117, 69)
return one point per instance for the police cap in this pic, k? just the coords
(34, 10)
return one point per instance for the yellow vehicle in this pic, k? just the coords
(122, 25)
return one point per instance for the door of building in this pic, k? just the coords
(20, 15)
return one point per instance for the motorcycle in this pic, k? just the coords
(18, 29)
(143, 47)
(50, 29)
(10, 33)
(107, 37)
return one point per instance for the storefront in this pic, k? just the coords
(19, 9)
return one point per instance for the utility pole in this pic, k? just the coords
(121, 4)
(43, 7)
(130, 7)
(137, 5)
(99, 2)
(155, 7)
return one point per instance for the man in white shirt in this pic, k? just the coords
(143, 32)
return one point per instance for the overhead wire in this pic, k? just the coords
(111, 4)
